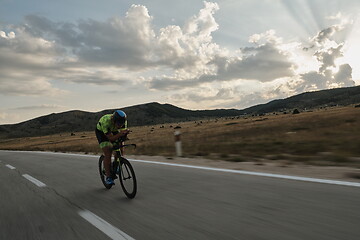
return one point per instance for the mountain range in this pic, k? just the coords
(156, 113)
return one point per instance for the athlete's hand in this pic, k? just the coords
(124, 132)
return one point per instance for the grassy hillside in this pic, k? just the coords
(324, 137)
(310, 100)
(139, 115)
(155, 113)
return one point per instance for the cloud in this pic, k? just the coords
(3, 116)
(37, 107)
(24, 87)
(272, 63)
(313, 81)
(10, 35)
(99, 76)
(69, 51)
(264, 62)
(276, 67)
(88, 51)
(25, 62)
(324, 80)
(124, 42)
(130, 50)
(190, 47)
(225, 97)
(206, 94)
(344, 76)
(327, 52)
(212, 97)
(325, 34)
(335, 17)
(131, 41)
(327, 57)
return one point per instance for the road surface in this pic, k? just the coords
(60, 196)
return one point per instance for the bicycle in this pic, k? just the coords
(120, 166)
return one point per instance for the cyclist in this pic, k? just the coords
(110, 128)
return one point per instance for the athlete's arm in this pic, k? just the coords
(114, 137)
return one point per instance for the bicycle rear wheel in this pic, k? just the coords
(102, 172)
(127, 178)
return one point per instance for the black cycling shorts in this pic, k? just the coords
(102, 139)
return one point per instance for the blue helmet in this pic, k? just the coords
(119, 117)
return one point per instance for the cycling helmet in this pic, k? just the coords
(119, 117)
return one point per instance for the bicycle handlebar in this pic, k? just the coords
(119, 143)
(118, 146)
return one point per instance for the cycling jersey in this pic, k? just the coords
(106, 125)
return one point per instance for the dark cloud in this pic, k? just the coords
(344, 76)
(326, 79)
(327, 57)
(122, 42)
(326, 34)
(65, 33)
(313, 80)
(327, 51)
(266, 63)
(207, 94)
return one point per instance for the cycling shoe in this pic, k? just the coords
(109, 181)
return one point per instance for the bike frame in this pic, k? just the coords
(119, 155)
(120, 166)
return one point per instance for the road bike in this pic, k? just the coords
(120, 167)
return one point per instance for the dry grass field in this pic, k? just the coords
(322, 137)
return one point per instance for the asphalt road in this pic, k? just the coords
(68, 201)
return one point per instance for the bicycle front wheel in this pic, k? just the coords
(127, 178)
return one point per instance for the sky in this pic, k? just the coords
(92, 55)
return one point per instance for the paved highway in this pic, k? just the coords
(60, 196)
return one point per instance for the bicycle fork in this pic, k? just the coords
(117, 169)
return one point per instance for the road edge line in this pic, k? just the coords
(260, 174)
(287, 177)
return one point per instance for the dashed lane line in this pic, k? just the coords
(11, 167)
(34, 180)
(108, 229)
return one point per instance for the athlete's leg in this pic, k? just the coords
(107, 160)
(116, 155)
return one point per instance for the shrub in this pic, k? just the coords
(296, 111)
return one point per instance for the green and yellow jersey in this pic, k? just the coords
(106, 125)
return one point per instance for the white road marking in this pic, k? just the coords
(34, 180)
(288, 177)
(11, 167)
(111, 231)
(304, 179)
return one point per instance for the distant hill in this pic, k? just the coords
(310, 100)
(156, 113)
(139, 115)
